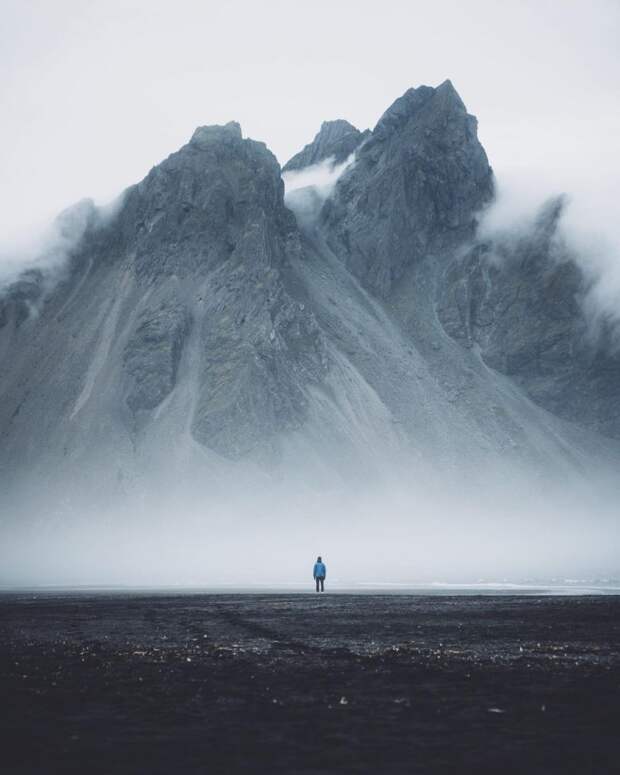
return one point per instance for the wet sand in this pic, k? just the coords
(205, 683)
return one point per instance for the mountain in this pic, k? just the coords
(521, 302)
(415, 189)
(174, 310)
(336, 141)
(206, 327)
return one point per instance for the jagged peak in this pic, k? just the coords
(335, 129)
(403, 107)
(217, 133)
(449, 94)
(228, 138)
(337, 138)
(448, 87)
(438, 100)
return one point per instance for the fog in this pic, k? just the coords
(95, 94)
(44, 252)
(489, 522)
(322, 176)
(589, 230)
(376, 515)
(419, 532)
(306, 190)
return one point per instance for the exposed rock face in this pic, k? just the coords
(520, 301)
(335, 140)
(219, 195)
(182, 292)
(151, 357)
(260, 351)
(203, 322)
(414, 190)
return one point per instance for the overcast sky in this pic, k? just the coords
(95, 93)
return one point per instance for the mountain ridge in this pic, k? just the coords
(199, 313)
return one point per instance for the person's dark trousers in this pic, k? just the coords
(320, 580)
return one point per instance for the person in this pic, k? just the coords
(319, 573)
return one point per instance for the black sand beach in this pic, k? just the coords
(205, 683)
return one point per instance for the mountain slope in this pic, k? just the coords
(202, 323)
(184, 283)
(221, 379)
(521, 302)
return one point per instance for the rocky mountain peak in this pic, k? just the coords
(416, 186)
(229, 133)
(403, 108)
(201, 322)
(335, 139)
(427, 107)
(332, 131)
(199, 197)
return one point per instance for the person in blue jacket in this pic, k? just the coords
(319, 573)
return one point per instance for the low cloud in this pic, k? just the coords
(43, 253)
(321, 176)
(588, 231)
(307, 189)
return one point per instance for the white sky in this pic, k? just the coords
(95, 93)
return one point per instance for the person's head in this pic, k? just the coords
(318, 559)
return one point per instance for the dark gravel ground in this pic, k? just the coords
(128, 683)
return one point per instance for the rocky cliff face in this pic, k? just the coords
(181, 291)
(415, 189)
(203, 322)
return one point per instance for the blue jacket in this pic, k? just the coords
(319, 570)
